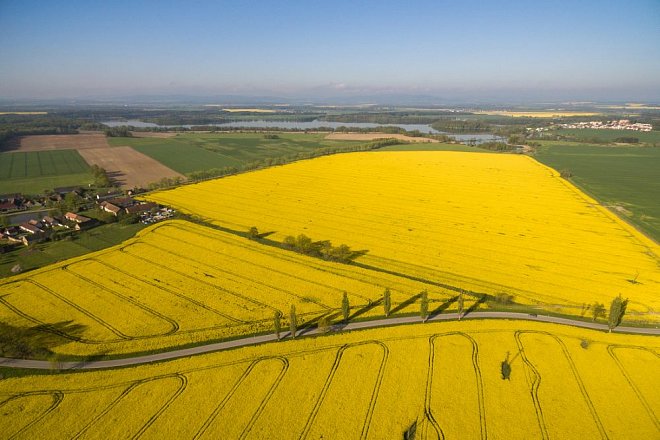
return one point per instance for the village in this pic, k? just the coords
(622, 124)
(55, 216)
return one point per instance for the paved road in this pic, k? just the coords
(219, 346)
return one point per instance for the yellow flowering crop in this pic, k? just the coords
(489, 223)
(179, 283)
(370, 384)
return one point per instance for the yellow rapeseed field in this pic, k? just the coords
(537, 114)
(447, 377)
(488, 223)
(180, 283)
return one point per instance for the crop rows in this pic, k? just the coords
(356, 386)
(180, 283)
(486, 222)
(41, 163)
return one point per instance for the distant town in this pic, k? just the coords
(622, 124)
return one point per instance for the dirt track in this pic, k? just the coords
(373, 136)
(129, 168)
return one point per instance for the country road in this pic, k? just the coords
(254, 340)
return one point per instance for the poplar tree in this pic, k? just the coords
(387, 302)
(345, 307)
(460, 304)
(277, 323)
(617, 309)
(293, 321)
(424, 306)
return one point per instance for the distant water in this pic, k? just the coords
(422, 128)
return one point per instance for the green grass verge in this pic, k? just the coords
(82, 243)
(627, 179)
(34, 171)
(188, 152)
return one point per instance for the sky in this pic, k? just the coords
(602, 49)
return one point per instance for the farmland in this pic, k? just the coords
(367, 384)
(624, 178)
(588, 134)
(34, 171)
(127, 167)
(179, 283)
(486, 223)
(190, 152)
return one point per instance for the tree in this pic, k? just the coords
(277, 318)
(459, 302)
(253, 233)
(324, 324)
(617, 310)
(424, 306)
(597, 310)
(345, 307)
(73, 201)
(293, 321)
(387, 302)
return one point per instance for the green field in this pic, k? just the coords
(35, 171)
(627, 179)
(188, 152)
(588, 134)
(81, 243)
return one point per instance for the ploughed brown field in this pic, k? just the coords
(374, 136)
(128, 167)
(59, 142)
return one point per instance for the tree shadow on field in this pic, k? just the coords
(37, 342)
(263, 235)
(405, 304)
(365, 309)
(475, 306)
(442, 307)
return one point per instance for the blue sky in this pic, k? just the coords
(327, 48)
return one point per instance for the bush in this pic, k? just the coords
(503, 298)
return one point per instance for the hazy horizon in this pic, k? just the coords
(465, 51)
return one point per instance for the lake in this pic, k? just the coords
(422, 128)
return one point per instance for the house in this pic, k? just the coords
(31, 229)
(36, 223)
(141, 208)
(122, 202)
(63, 190)
(111, 208)
(51, 221)
(27, 240)
(7, 206)
(76, 218)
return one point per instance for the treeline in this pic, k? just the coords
(271, 161)
(392, 117)
(461, 126)
(12, 126)
(122, 131)
(497, 146)
(319, 249)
